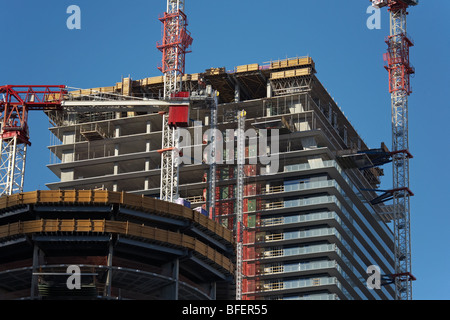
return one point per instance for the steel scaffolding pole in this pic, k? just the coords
(240, 203)
(213, 161)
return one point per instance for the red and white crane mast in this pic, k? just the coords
(174, 46)
(400, 70)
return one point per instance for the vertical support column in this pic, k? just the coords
(171, 269)
(117, 131)
(108, 283)
(147, 161)
(237, 92)
(213, 291)
(269, 89)
(34, 278)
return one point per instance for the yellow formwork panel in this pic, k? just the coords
(131, 200)
(84, 195)
(52, 97)
(13, 200)
(50, 226)
(114, 197)
(247, 68)
(291, 73)
(3, 202)
(291, 63)
(187, 241)
(32, 226)
(83, 226)
(139, 202)
(67, 225)
(69, 196)
(215, 71)
(152, 80)
(118, 227)
(195, 76)
(100, 196)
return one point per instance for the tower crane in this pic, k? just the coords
(174, 46)
(400, 69)
(17, 100)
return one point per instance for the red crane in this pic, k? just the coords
(15, 103)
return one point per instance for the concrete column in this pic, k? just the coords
(237, 93)
(147, 164)
(148, 127)
(108, 283)
(147, 146)
(67, 174)
(117, 131)
(34, 279)
(115, 186)
(116, 168)
(171, 269)
(116, 149)
(212, 291)
(146, 183)
(269, 89)
(68, 155)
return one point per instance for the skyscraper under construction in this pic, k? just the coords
(312, 222)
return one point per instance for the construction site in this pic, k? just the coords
(246, 183)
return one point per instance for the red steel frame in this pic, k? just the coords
(15, 102)
(18, 100)
(174, 45)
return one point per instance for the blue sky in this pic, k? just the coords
(118, 39)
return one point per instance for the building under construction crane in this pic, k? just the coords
(308, 230)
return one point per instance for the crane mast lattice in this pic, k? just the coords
(400, 69)
(174, 44)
